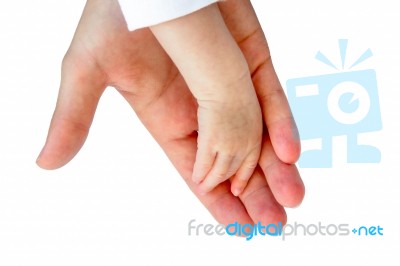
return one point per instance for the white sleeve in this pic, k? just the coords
(144, 13)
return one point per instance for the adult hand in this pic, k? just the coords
(104, 53)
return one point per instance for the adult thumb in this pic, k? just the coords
(82, 84)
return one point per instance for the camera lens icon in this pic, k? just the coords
(348, 103)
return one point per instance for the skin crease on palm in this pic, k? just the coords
(104, 53)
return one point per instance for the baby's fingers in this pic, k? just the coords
(246, 170)
(224, 167)
(204, 161)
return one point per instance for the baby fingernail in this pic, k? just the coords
(236, 192)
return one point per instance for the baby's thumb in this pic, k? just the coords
(82, 84)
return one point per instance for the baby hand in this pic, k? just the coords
(230, 134)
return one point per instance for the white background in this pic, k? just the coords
(120, 201)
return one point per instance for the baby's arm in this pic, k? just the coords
(229, 115)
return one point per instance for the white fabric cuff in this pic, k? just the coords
(144, 13)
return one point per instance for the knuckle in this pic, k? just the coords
(219, 176)
(251, 164)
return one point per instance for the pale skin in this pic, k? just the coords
(141, 71)
(229, 115)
